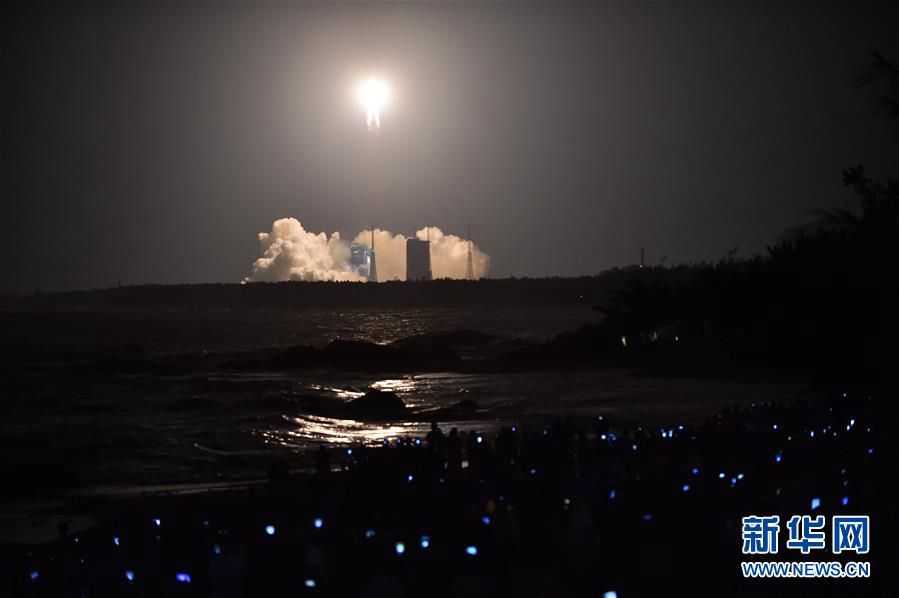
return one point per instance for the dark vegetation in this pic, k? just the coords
(823, 297)
(508, 292)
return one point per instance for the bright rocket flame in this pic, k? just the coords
(373, 95)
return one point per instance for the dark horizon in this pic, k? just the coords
(150, 143)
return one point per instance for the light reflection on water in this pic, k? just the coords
(348, 431)
(311, 430)
(413, 390)
(340, 393)
(485, 402)
(423, 395)
(396, 385)
(244, 419)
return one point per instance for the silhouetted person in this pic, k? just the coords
(436, 447)
(435, 438)
(454, 451)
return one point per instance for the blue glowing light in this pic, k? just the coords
(773, 426)
(34, 575)
(369, 534)
(158, 522)
(425, 541)
(602, 437)
(844, 501)
(533, 471)
(721, 476)
(870, 451)
(647, 517)
(409, 478)
(318, 522)
(612, 494)
(471, 550)
(777, 458)
(217, 549)
(205, 523)
(740, 476)
(418, 442)
(400, 548)
(349, 451)
(480, 439)
(811, 434)
(695, 471)
(270, 530)
(485, 520)
(129, 575)
(309, 583)
(610, 594)
(816, 502)
(685, 487)
(514, 428)
(634, 446)
(115, 540)
(182, 577)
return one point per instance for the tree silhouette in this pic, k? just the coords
(875, 211)
(881, 76)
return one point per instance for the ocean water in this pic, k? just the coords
(203, 424)
(184, 330)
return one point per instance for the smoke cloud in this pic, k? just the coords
(449, 255)
(390, 253)
(290, 252)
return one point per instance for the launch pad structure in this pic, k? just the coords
(418, 258)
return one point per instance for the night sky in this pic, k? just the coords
(150, 143)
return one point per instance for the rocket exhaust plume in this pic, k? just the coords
(449, 255)
(373, 95)
(373, 119)
(290, 252)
